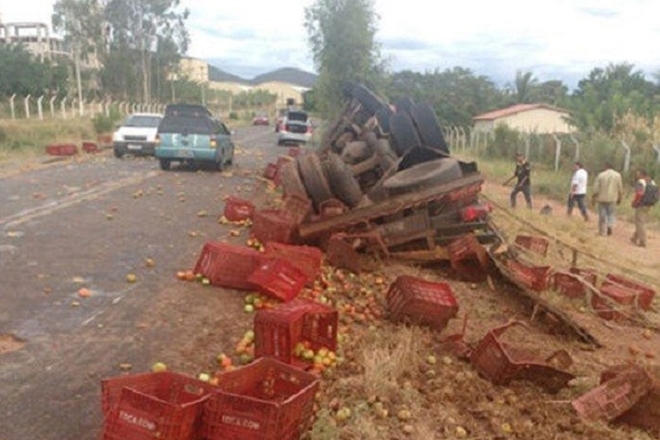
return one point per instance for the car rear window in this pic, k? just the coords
(186, 124)
(187, 109)
(142, 121)
(297, 116)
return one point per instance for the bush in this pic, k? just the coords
(102, 123)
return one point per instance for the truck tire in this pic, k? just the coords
(403, 133)
(342, 183)
(291, 181)
(404, 104)
(418, 155)
(423, 176)
(428, 127)
(369, 101)
(316, 184)
(383, 116)
(165, 164)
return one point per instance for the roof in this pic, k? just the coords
(515, 109)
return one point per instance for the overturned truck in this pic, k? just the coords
(385, 182)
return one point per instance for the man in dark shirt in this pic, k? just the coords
(523, 184)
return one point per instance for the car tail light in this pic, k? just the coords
(309, 129)
(157, 139)
(214, 142)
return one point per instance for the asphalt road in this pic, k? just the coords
(88, 223)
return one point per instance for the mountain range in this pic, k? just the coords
(290, 75)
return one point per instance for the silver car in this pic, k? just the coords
(295, 128)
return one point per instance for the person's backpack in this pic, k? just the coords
(650, 196)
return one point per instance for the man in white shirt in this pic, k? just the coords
(578, 190)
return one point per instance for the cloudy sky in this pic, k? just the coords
(559, 39)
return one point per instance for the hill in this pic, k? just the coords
(216, 74)
(290, 75)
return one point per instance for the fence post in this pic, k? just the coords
(557, 151)
(63, 106)
(626, 160)
(12, 107)
(52, 106)
(528, 142)
(39, 108)
(656, 147)
(27, 106)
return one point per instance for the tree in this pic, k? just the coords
(138, 30)
(457, 94)
(608, 94)
(342, 38)
(22, 74)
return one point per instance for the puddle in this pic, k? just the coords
(10, 343)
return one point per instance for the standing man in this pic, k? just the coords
(578, 190)
(523, 185)
(608, 191)
(641, 207)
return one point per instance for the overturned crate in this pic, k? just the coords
(502, 363)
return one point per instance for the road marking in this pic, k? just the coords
(70, 200)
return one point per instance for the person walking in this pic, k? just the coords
(578, 191)
(608, 191)
(523, 184)
(641, 207)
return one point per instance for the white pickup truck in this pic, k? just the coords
(137, 135)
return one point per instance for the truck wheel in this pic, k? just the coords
(291, 181)
(403, 133)
(342, 183)
(316, 184)
(369, 101)
(429, 130)
(423, 176)
(404, 104)
(118, 153)
(165, 164)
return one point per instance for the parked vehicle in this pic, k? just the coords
(136, 135)
(295, 128)
(189, 134)
(261, 119)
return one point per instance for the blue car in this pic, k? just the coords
(189, 134)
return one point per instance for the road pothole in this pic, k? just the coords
(10, 343)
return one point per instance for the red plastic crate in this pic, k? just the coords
(90, 147)
(467, 247)
(644, 293)
(297, 208)
(613, 397)
(533, 277)
(421, 302)
(501, 363)
(278, 279)
(568, 285)
(265, 400)
(538, 245)
(272, 225)
(623, 298)
(228, 265)
(306, 258)
(277, 331)
(62, 149)
(341, 254)
(281, 160)
(237, 209)
(166, 406)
